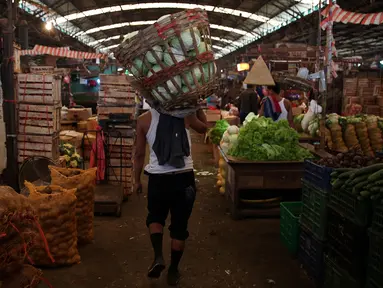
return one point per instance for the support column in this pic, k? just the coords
(10, 174)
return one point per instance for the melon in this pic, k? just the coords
(202, 48)
(157, 49)
(173, 89)
(185, 88)
(189, 76)
(155, 68)
(141, 69)
(187, 39)
(178, 55)
(213, 70)
(162, 95)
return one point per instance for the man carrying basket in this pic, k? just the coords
(171, 185)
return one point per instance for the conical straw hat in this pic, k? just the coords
(259, 74)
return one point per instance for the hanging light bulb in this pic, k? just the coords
(48, 25)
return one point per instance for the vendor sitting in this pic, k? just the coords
(275, 106)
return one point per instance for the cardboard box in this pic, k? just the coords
(79, 114)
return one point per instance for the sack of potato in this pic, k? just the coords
(84, 181)
(364, 141)
(19, 230)
(56, 209)
(337, 138)
(374, 133)
(350, 137)
(172, 62)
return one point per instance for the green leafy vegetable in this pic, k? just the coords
(262, 139)
(216, 133)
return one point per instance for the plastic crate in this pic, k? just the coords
(314, 210)
(335, 277)
(375, 258)
(350, 207)
(317, 175)
(377, 219)
(347, 244)
(289, 225)
(310, 254)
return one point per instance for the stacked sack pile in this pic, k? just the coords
(56, 210)
(84, 181)
(19, 231)
(172, 62)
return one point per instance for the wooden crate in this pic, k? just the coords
(38, 145)
(38, 119)
(42, 69)
(106, 98)
(370, 100)
(371, 109)
(104, 112)
(38, 89)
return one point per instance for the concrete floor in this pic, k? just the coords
(220, 252)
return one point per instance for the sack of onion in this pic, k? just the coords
(56, 209)
(84, 181)
(350, 137)
(19, 230)
(362, 133)
(27, 277)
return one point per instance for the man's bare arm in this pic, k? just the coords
(139, 156)
(201, 116)
(196, 124)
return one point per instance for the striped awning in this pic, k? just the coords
(62, 52)
(342, 16)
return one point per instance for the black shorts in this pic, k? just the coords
(175, 193)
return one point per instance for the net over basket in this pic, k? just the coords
(172, 61)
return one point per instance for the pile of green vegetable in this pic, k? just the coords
(217, 131)
(262, 139)
(366, 183)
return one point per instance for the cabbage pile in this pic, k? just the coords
(217, 131)
(172, 54)
(262, 139)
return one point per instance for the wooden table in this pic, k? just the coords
(306, 138)
(259, 176)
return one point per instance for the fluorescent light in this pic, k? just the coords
(167, 5)
(48, 25)
(144, 23)
(119, 69)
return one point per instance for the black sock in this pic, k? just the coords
(176, 256)
(156, 239)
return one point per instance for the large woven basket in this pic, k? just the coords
(172, 62)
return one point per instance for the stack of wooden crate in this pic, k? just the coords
(364, 91)
(39, 114)
(116, 113)
(116, 96)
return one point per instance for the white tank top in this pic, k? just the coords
(153, 167)
(284, 112)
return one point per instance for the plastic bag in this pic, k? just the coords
(84, 181)
(56, 209)
(314, 109)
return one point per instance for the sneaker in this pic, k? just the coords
(173, 277)
(156, 268)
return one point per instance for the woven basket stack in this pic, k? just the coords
(172, 62)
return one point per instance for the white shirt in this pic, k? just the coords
(153, 167)
(284, 112)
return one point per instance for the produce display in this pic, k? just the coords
(262, 139)
(216, 133)
(56, 210)
(366, 182)
(354, 158)
(172, 61)
(343, 133)
(84, 181)
(72, 159)
(229, 138)
(221, 177)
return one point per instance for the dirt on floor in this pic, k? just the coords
(220, 252)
